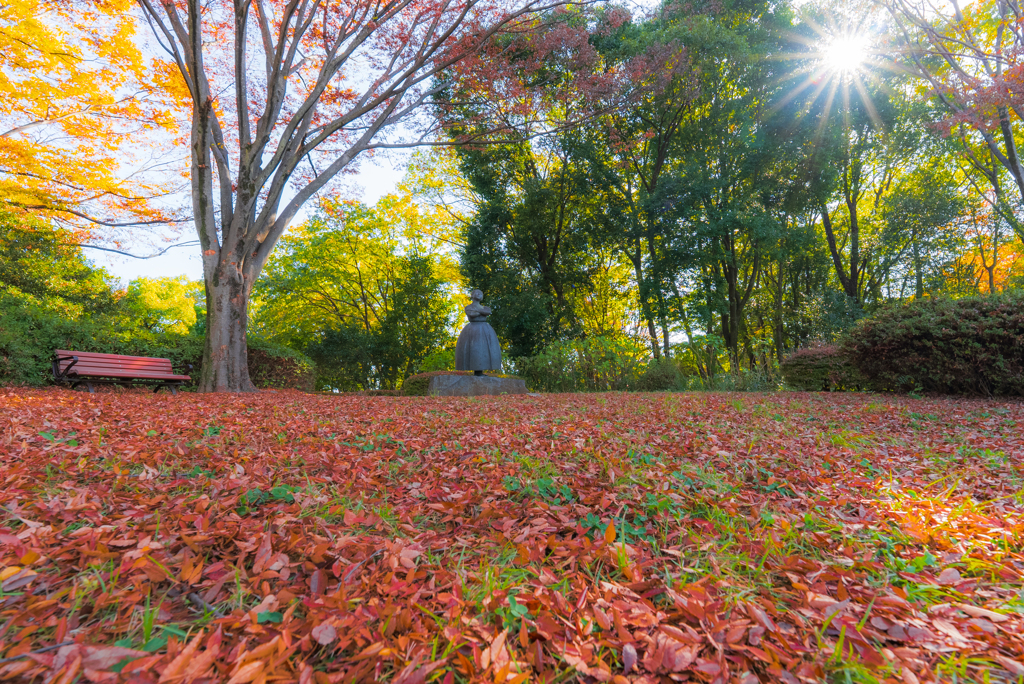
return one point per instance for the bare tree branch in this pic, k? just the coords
(128, 254)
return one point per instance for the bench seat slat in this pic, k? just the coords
(125, 376)
(107, 370)
(106, 362)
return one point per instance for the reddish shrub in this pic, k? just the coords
(275, 368)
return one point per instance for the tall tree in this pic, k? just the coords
(630, 150)
(364, 291)
(285, 94)
(531, 242)
(873, 136)
(741, 162)
(39, 266)
(538, 225)
(631, 155)
(340, 268)
(923, 205)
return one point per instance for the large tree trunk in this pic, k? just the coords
(225, 356)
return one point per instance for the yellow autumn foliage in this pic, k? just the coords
(74, 89)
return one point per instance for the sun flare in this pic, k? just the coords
(845, 54)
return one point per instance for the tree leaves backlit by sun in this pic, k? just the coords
(968, 59)
(845, 53)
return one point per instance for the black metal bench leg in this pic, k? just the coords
(91, 390)
(174, 391)
(157, 389)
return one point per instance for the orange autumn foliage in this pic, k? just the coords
(994, 260)
(1009, 263)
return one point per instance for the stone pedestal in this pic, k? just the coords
(474, 386)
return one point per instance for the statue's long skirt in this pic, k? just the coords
(478, 348)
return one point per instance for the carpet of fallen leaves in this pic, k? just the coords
(608, 537)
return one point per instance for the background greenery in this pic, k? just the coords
(51, 298)
(760, 203)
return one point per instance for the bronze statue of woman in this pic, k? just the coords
(478, 348)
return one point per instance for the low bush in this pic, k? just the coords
(593, 364)
(967, 346)
(273, 365)
(660, 375)
(820, 368)
(29, 336)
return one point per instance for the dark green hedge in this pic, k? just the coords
(820, 368)
(271, 365)
(967, 346)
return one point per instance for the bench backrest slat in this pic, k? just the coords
(90, 362)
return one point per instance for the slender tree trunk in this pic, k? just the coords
(732, 321)
(655, 268)
(779, 342)
(995, 259)
(849, 282)
(645, 305)
(652, 330)
(663, 321)
(726, 329)
(697, 353)
(734, 334)
(918, 276)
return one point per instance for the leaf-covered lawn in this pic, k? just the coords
(728, 538)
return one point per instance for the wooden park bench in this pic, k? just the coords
(76, 368)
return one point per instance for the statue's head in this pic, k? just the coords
(476, 296)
